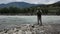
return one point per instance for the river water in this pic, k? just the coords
(8, 21)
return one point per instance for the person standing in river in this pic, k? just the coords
(39, 13)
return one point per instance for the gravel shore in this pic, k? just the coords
(33, 29)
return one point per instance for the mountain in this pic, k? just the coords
(26, 5)
(57, 4)
(18, 4)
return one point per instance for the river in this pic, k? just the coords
(8, 21)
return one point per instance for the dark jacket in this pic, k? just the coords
(39, 13)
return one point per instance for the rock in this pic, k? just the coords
(32, 29)
(28, 32)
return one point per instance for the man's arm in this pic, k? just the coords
(36, 12)
(41, 11)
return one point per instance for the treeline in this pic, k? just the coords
(15, 10)
(46, 10)
(53, 9)
(19, 11)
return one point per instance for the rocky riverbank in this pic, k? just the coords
(33, 29)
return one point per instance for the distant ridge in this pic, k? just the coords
(25, 5)
(18, 4)
(57, 4)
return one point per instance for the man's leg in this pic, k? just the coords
(40, 21)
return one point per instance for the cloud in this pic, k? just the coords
(31, 1)
(51, 1)
(41, 1)
(6, 1)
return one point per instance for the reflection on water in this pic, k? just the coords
(8, 21)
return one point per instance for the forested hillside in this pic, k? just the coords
(51, 9)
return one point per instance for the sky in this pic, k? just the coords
(30, 1)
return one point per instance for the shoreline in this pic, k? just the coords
(29, 15)
(28, 29)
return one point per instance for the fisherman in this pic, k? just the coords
(39, 13)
